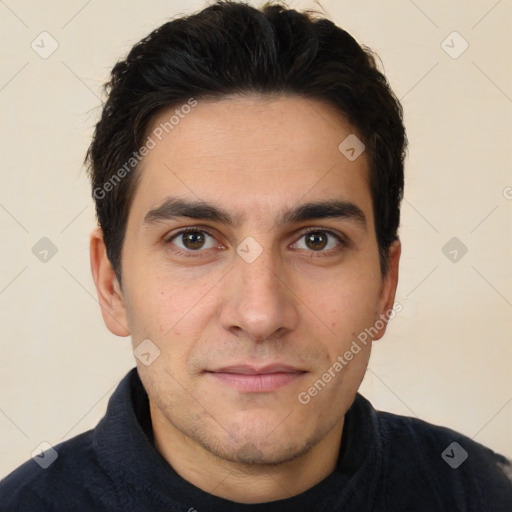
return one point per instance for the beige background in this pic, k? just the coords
(447, 356)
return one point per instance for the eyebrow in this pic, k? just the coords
(173, 208)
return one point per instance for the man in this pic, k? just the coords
(247, 172)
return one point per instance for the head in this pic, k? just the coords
(272, 137)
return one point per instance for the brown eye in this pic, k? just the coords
(320, 241)
(316, 241)
(193, 240)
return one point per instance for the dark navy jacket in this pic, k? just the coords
(386, 463)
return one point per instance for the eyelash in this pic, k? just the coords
(343, 242)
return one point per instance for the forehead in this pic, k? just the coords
(254, 154)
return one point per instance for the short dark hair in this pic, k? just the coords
(232, 48)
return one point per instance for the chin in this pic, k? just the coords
(259, 452)
(258, 441)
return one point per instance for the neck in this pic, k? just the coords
(245, 483)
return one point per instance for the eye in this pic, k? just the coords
(319, 240)
(193, 240)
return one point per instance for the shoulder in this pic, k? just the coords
(444, 464)
(57, 477)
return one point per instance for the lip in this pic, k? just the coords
(257, 378)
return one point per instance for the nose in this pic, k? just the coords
(259, 303)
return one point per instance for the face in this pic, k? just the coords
(271, 283)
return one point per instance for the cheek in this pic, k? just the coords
(156, 299)
(349, 303)
(151, 309)
(170, 313)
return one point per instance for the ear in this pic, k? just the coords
(109, 291)
(388, 289)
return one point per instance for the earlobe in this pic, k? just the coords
(110, 295)
(388, 290)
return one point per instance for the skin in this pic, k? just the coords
(299, 303)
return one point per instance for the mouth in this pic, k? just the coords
(257, 379)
